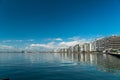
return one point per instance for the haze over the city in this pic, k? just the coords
(47, 24)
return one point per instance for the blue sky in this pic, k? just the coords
(44, 19)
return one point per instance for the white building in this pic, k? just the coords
(70, 49)
(112, 42)
(86, 47)
(76, 48)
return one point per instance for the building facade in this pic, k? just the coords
(112, 42)
(76, 48)
(86, 47)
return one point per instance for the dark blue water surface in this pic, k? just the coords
(59, 66)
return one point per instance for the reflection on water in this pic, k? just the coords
(59, 66)
(102, 62)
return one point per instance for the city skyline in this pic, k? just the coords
(59, 23)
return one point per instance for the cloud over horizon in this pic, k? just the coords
(62, 44)
(53, 43)
(2, 47)
(20, 40)
(54, 39)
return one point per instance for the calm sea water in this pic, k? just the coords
(51, 66)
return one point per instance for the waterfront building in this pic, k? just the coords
(82, 47)
(70, 49)
(63, 50)
(92, 46)
(66, 50)
(86, 47)
(100, 44)
(112, 42)
(76, 48)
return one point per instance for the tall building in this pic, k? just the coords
(112, 42)
(70, 49)
(92, 46)
(76, 48)
(100, 44)
(86, 47)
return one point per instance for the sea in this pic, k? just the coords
(59, 66)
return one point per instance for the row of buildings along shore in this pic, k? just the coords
(98, 45)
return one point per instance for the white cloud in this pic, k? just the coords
(30, 40)
(6, 41)
(67, 44)
(72, 43)
(74, 38)
(6, 47)
(18, 40)
(48, 46)
(54, 39)
(56, 45)
(58, 39)
(9, 41)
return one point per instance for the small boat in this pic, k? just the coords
(115, 54)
